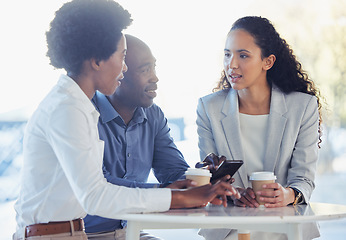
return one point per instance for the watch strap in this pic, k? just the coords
(297, 196)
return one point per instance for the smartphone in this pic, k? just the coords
(227, 167)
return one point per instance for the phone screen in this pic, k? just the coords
(227, 167)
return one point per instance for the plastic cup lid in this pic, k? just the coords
(198, 172)
(262, 176)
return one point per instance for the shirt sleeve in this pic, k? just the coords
(169, 164)
(73, 136)
(301, 175)
(125, 182)
(206, 141)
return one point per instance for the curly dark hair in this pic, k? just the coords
(287, 73)
(85, 29)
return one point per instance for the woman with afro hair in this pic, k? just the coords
(62, 178)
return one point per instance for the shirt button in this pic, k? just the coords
(128, 155)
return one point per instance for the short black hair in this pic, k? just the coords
(85, 29)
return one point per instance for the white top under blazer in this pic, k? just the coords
(291, 142)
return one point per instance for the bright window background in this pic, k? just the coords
(187, 38)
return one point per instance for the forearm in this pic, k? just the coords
(168, 162)
(177, 199)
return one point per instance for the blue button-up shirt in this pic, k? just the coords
(132, 150)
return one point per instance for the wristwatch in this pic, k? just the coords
(297, 196)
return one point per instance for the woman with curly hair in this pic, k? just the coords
(62, 177)
(266, 111)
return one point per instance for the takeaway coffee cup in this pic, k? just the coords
(258, 179)
(199, 175)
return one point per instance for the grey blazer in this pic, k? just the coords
(292, 136)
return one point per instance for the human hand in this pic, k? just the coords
(247, 199)
(212, 162)
(201, 196)
(182, 184)
(226, 178)
(221, 200)
(279, 197)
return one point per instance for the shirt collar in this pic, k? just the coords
(139, 116)
(105, 108)
(108, 113)
(73, 88)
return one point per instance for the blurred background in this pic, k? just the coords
(187, 38)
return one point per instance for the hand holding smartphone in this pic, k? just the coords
(219, 166)
(211, 162)
(227, 167)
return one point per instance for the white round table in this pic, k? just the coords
(283, 220)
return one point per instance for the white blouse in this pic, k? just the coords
(62, 176)
(253, 129)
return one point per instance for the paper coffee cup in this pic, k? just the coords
(258, 179)
(199, 175)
